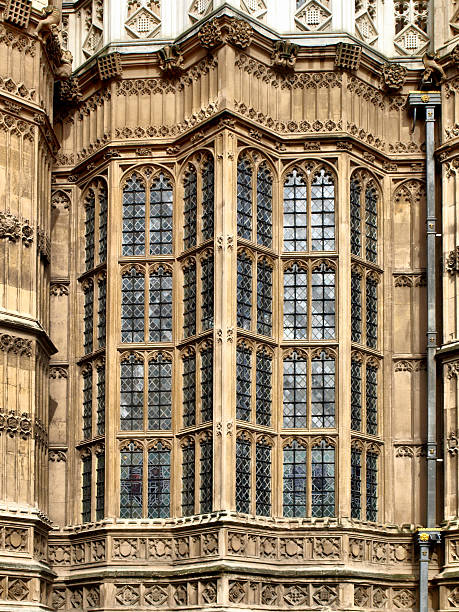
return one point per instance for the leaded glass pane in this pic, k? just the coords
(264, 298)
(101, 312)
(131, 399)
(131, 482)
(356, 218)
(323, 303)
(263, 479)
(323, 212)
(294, 495)
(356, 395)
(356, 307)
(189, 390)
(86, 489)
(103, 203)
(88, 318)
(161, 216)
(207, 390)
(160, 393)
(189, 300)
(190, 204)
(372, 486)
(133, 306)
(205, 492)
(243, 448)
(188, 456)
(100, 400)
(134, 216)
(159, 481)
(87, 404)
(295, 303)
(264, 206)
(244, 291)
(100, 487)
(294, 391)
(356, 483)
(323, 391)
(244, 199)
(89, 228)
(371, 222)
(323, 480)
(371, 399)
(372, 312)
(160, 307)
(295, 213)
(208, 199)
(263, 388)
(243, 383)
(207, 293)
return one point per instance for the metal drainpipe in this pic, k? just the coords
(427, 101)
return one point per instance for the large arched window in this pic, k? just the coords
(134, 200)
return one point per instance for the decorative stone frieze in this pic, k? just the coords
(410, 365)
(17, 89)
(15, 345)
(410, 280)
(366, 91)
(14, 424)
(15, 40)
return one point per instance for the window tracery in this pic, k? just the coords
(364, 306)
(364, 480)
(197, 383)
(160, 392)
(364, 198)
(364, 393)
(143, 19)
(254, 199)
(253, 474)
(198, 200)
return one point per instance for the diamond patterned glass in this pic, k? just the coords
(356, 395)
(87, 404)
(88, 320)
(208, 199)
(356, 307)
(356, 483)
(372, 486)
(295, 303)
(190, 210)
(371, 223)
(205, 490)
(263, 388)
(161, 199)
(189, 390)
(263, 479)
(356, 218)
(160, 307)
(134, 216)
(101, 312)
(295, 213)
(86, 489)
(100, 487)
(323, 212)
(244, 199)
(294, 391)
(371, 399)
(323, 303)
(243, 383)
(189, 300)
(100, 416)
(244, 291)
(243, 448)
(89, 228)
(207, 293)
(133, 306)
(131, 400)
(207, 389)
(103, 208)
(323, 391)
(159, 481)
(188, 457)
(372, 312)
(160, 394)
(323, 480)
(294, 495)
(264, 206)
(264, 298)
(131, 482)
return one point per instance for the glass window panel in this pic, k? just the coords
(372, 486)
(207, 390)
(323, 391)
(263, 388)
(372, 312)
(356, 218)
(86, 489)
(103, 207)
(371, 399)
(101, 312)
(131, 482)
(133, 240)
(264, 298)
(189, 300)
(89, 229)
(160, 307)
(190, 204)
(205, 492)
(244, 291)
(295, 213)
(133, 306)
(294, 391)
(323, 212)
(323, 480)
(244, 199)
(294, 472)
(100, 400)
(88, 318)
(207, 293)
(263, 479)
(371, 223)
(131, 399)
(356, 395)
(188, 475)
(100, 487)
(264, 206)
(356, 483)
(295, 303)
(356, 307)
(159, 481)
(243, 448)
(161, 202)
(87, 404)
(160, 393)
(189, 390)
(323, 303)
(208, 199)
(243, 383)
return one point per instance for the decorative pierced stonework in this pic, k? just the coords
(18, 89)
(144, 19)
(12, 39)
(109, 66)
(347, 56)
(199, 8)
(393, 76)
(18, 127)
(17, 12)
(313, 16)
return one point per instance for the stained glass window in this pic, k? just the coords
(131, 482)
(264, 298)
(356, 306)
(295, 213)
(205, 492)
(264, 206)
(100, 400)
(243, 383)
(88, 317)
(356, 483)
(188, 458)
(160, 393)
(101, 312)
(159, 481)
(131, 400)
(294, 496)
(356, 395)
(161, 216)
(263, 388)
(295, 303)
(103, 203)
(244, 291)
(323, 480)
(87, 404)
(207, 293)
(208, 199)
(356, 218)
(371, 399)
(189, 390)
(263, 479)
(323, 212)
(323, 303)
(100, 487)
(244, 199)
(371, 222)
(295, 391)
(89, 228)
(132, 306)
(372, 312)
(160, 307)
(207, 391)
(243, 448)
(189, 300)
(86, 489)
(323, 391)
(190, 204)
(134, 216)
(372, 486)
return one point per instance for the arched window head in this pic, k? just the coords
(295, 213)
(161, 202)
(254, 200)
(190, 207)
(244, 198)
(134, 201)
(364, 197)
(322, 211)
(264, 206)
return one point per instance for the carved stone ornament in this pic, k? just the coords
(170, 59)
(393, 76)
(348, 56)
(455, 55)
(239, 33)
(210, 35)
(49, 22)
(16, 425)
(452, 442)
(57, 456)
(67, 93)
(109, 66)
(452, 261)
(16, 345)
(433, 74)
(13, 228)
(17, 12)
(284, 54)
